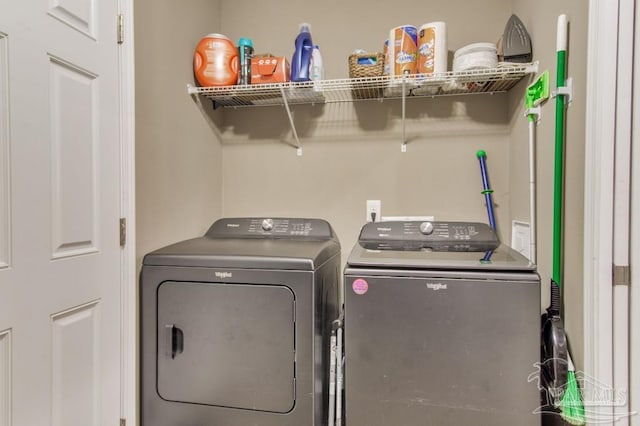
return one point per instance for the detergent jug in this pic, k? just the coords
(215, 61)
(301, 60)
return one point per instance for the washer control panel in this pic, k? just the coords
(270, 227)
(438, 236)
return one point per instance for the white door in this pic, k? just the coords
(634, 288)
(60, 264)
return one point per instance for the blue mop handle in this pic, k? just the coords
(487, 191)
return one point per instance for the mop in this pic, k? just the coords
(559, 371)
(536, 94)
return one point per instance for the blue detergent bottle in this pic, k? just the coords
(301, 60)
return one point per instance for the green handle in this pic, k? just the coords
(558, 181)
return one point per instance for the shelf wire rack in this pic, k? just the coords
(495, 80)
(469, 82)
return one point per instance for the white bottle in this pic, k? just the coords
(317, 69)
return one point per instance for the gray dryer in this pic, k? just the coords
(442, 327)
(235, 325)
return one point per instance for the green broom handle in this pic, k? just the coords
(559, 153)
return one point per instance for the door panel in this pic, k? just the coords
(5, 378)
(76, 357)
(61, 296)
(5, 207)
(73, 146)
(78, 14)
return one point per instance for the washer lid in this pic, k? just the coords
(434, 245)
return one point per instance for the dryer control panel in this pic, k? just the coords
(438, 236)
(253, 227)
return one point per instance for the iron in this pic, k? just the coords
(516, 42)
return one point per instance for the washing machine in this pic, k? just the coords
(442, 327)
(235, 325)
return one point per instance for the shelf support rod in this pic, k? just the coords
(293, 126)
(403, 147)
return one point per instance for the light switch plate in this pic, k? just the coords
(521, 238)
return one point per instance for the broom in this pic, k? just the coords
(571, 405)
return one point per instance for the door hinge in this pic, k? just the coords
(123, 231)
(123, 422)
(621, 275)
(120, 28)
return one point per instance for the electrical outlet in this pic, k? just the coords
(374, 210)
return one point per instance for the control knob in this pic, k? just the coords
(426, 228)
(267, 225)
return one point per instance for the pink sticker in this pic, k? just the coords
(360, 286)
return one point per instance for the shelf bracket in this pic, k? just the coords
(403, 147)
(198, 101)
(532, 68)
(291, 123)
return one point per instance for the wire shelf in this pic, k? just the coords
(493, 80)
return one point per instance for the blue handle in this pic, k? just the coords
(487, 191)
(487, 257)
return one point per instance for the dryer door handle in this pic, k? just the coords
(175, 340)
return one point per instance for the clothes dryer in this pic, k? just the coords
(235, 325)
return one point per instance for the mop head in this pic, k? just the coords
(571, 405)
(538, 91)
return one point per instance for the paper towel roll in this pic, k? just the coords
(432, 48)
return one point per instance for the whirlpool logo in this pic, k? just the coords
(436, 286)
(223, 275)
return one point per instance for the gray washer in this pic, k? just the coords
(442, 327)
(235, 325)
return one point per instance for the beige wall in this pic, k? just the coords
(178, 175)
(438, 175)
(540, 19)
(352, 151)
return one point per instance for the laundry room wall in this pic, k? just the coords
(351, 152)
(540, 18)
(178, 158)
(186, 177)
